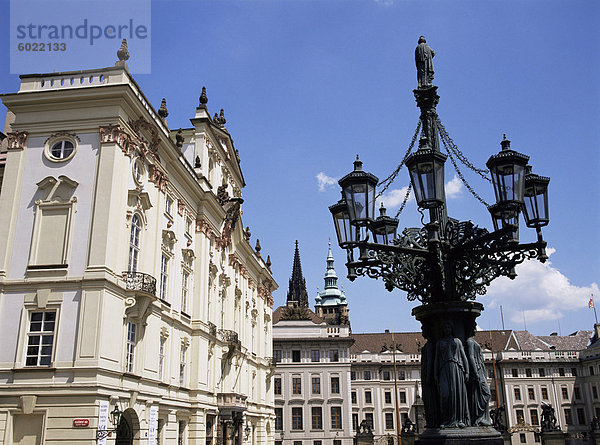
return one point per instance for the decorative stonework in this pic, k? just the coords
(168, 239)
(188, 256)
(63, 134)
(158, 178)
(117, 135)
(16, 140)
(204, 227)
(150, 145)
(180, 207)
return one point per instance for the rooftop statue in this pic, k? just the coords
(424, 61)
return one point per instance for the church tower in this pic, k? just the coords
(331, 304)
(297, 295)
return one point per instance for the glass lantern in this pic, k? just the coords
(358, 189)
(535, 204)
(426, 168)
(384, 228)
(507, 169)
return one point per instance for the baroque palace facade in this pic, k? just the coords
(379, 374)
(126, 279)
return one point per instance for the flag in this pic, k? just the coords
(591, 303)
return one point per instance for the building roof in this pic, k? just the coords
(575, 341)
(299, 313)
(412, 342)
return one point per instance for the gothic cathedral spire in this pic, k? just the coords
(297, 295)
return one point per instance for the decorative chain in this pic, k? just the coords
(450, 145)
(408, 189)
(388, 181)
(462, 178)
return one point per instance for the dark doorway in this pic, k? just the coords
(124, 433)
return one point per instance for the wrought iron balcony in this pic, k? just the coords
(140, 282)
(230, 337)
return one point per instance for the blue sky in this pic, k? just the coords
(306, 85)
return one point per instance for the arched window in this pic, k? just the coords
(134, 243)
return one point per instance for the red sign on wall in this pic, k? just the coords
(81, 423)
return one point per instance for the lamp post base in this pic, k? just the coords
(471, 435)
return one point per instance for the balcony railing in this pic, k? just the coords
(140, 282)
(230, 337)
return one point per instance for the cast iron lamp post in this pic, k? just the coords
(447, 262)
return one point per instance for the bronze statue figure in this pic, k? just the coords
(428, 385)
(424, 60)
(479, 391)
(548, 418)
(451, 375)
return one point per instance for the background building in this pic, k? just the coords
(312, 375)
(524, 370)
(125, 276)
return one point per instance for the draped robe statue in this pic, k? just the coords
(429, 388)
(479, 391)
(451, 375)
(424, 61)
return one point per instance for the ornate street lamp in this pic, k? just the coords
(446, 263)
(115, 418)
(358, 190)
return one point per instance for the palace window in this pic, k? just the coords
(335, 385)
(279, 419)
(334, 355)
(581, 416)
(565, 393)
(134, 243)
(296, 385)
(161, 357)
(542, 372)
(296, 418)
(277, 355)
(277, 385)
(402, 396)
(353, 397)
(316, 385)
(168, 205)
(515, 372)
(130, 349)
(531, 393)
(544, 393)
(61, 150)
(355, 421)
(389, 421)
(568, 417)
(517, 392)
(296, 356)
(387, 397)
(181, 432)
(401, 375)
(315, 355)
(577, 393)
(369, 419)
(352, 375)
(520, 416)
(164, 276)
(368, 397)
(386, 375)
(336, 417)
(182, 364)
(317, 418)
(534, 417)
(185, 278)
(561, 372)
(367, 375)
(527, 372)
(40, 338)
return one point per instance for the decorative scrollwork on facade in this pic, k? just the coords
(148, 145)
(158, 178)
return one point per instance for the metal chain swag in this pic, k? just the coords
(449, 144)
(462, 178)
(388, 181)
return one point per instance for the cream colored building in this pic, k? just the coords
(125, 276)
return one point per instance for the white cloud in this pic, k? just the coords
(325, 181)
(454, 187)
(539, 293)
(385, 2)
(393, 198)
